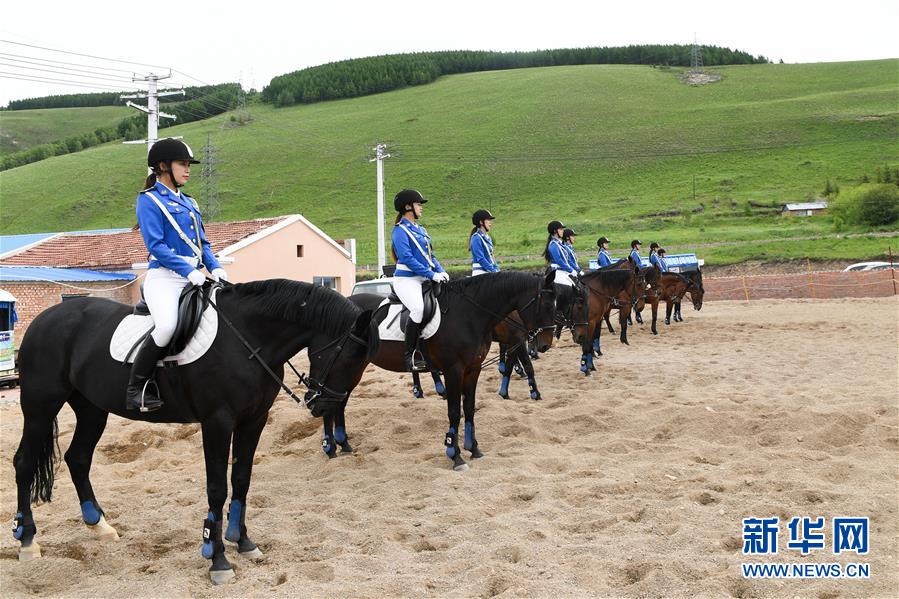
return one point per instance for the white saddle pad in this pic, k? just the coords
(389, 329)
(133, 328)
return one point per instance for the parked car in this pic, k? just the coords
(860, 266)
(382, 287)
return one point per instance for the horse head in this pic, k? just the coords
(336, 365)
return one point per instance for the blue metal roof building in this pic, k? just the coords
(13, 243)
(12, 274)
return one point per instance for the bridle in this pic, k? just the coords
(318, 391)
(532, 334)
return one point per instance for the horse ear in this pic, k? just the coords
(549, 279)
(360, 327)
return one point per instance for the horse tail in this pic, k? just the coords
(47, 459)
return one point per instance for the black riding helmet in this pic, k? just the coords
(661, 251)
(407, 197)
(168, 150)
(636, 242)
(554, 226)
(601, 241)
(568, 233)
(654, 246)
(480, 215)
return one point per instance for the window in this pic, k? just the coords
(329, 282)
(68, 296)
(299, 251)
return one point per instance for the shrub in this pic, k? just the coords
(872, 205)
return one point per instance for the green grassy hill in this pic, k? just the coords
(604, 148)
(24, 129)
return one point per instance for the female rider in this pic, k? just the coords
(480, 244)
(556, 254)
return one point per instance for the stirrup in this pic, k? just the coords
(419, 365)
(143, 407)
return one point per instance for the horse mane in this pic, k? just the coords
(609, 274)
(613, 265)
(500, 284)
(308, 305)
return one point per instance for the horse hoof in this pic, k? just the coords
(33, 551)
(476, 453)
(346, 449)
(460, 467)
(254, 554)
(221, 576)
(506, 396)
(331, 454)
(102, 531)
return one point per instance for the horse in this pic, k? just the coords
(471, 308)
(696, 292)
(604, 286)
(515, 353)
(65, 358)
(671, 288)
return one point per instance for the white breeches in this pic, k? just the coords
(563, 278)
(162, 288)
(408, 289)
(475, 273)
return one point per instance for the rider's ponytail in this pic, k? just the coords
(473, 231)
(399, 217)
(546, 249)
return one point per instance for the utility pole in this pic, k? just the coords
(696, 56)
(211, 208)
(152, 108)
(694, 188)
(380, 157)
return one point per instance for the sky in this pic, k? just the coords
(251, 42)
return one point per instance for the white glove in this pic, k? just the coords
(196, 278)
(219, 274)
(440, 277)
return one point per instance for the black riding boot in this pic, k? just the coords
(412, 364)
(138, 395)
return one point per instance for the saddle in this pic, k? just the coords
(191, 305)
(196, 329)
(393, 315)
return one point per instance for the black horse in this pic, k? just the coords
(470, 310)
(64, 358)
(696, 292)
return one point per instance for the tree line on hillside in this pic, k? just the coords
(364, 76)
(87, 100)
(200, 103)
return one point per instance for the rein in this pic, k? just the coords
(531, 333)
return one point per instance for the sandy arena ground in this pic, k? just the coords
(630, 483)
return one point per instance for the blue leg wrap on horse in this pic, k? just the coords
(501, 367)
(339, 434)
(596, 344)
(326, 444)
(469, 436)
(450, 442)
(504, 386)
(533, 385)
(19, 531)
(89, 513)
(208, 530)
(438, 386)
(585, 364)
(234, 513)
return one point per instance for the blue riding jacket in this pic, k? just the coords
(414, 253)
(162, 240)
(559, 257)
(572, 257)
(482, 257)
(603, 258)
(636, 256)
(660, 261)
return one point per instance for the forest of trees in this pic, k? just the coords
(198, 103)
(364, 76)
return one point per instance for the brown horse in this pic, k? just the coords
(604, 286)
(696, 292)
(471, 308)
(671, 288)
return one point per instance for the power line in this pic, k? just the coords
(80, 54)
(69, 72)
(76, 64)
(69, 82)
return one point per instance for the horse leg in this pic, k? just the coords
(35, 462)
(243, 448)
(587, 350)
(677, 314)
(518, 364)
(417, 391)
(470, 385)
(669, 305)
(597, 349)
(438, 384)
(216, 445)
(529, 370)
(328, 435)
(91, 421)
(340, 429)
(655, 316)
(638, 315)
(504, 370)
(607, 317)
(622, 320)
(453, 409)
